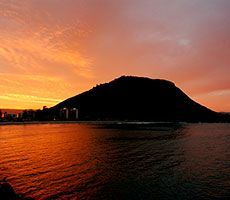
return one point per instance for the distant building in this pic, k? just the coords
(8, 115)
(64, 113)
(19, 115)
(28, 115)
(5, 115)
(69, 114)
(74, 114)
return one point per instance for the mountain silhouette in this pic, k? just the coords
(137, 98)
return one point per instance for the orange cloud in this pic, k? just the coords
(56, 49)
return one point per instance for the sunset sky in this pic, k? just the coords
(53, 49)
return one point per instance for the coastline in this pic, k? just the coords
(88, 122)
(38, 122)
(103, 122)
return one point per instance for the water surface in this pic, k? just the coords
(117, 161)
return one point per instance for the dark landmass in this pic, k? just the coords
(7, 192)
(131, 98)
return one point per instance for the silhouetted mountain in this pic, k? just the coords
(137, 98)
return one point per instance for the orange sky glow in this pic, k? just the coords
(53, 49)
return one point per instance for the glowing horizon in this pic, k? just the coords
(51, 50)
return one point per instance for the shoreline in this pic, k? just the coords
(86, 122)
(39, 122)
(103, 122)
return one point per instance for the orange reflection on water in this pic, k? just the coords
(121, 161)
(38, 157)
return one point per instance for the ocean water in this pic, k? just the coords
(117, 160)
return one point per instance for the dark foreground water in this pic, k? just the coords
(117, 161)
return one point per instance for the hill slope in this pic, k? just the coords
(137, 98)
